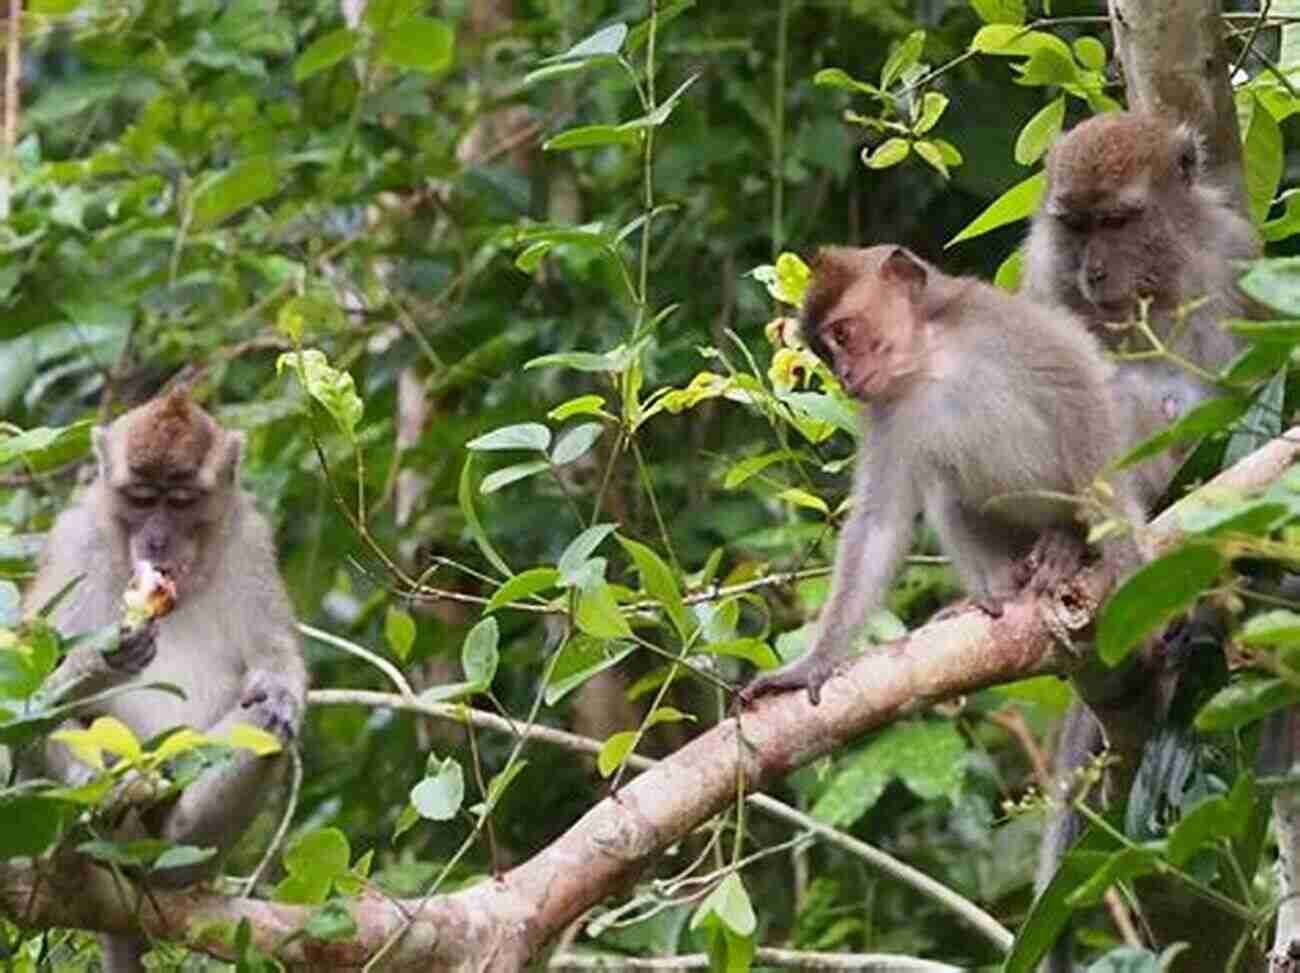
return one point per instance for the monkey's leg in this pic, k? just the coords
(215, 809)
(1057, 555)
(982, 552)
(122, 954)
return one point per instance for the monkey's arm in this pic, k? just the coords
(870, 548)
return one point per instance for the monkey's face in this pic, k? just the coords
(870, 359)
(1114, 253)
(167, 524)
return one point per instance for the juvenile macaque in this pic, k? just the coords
(167, 500)
(1130, 217)
(981, 404)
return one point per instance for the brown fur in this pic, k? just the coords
(169, 437)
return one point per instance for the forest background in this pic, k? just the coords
(489, 285)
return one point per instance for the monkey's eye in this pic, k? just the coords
(1074, 222)
(1116, 220)
(140, 496)
(182, 498)
(838, 332)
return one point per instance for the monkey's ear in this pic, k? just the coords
(221, 467)
(903, 267)
(1191, 156)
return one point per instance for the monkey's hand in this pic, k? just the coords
(273, 704)
(809, 672)
(136, 647)
(1057, 555)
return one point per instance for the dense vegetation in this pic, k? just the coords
(482, 283)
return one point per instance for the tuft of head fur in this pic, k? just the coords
(1121, 149)
(168, 438)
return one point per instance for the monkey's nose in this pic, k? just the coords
(1096, 275)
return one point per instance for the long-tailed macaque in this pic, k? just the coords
(1130, 227)
(1129, 217)
(167, 493)
(984, 409)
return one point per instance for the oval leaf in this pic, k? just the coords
(524, 435)
(522, 585)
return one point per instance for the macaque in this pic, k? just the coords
(1150, 396)
(984, 409)
(1129, 218)
(167, 499)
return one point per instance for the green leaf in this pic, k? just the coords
(589, 136)
(598, 614)
(440, 795)
(580, 550)
(582, 361)
(325, 52)
(1009, 40)
(753, 650)
(333, 389)
(1017, 203)
(241, 185)
(658, 581)
(1152, 596)
(522, 585)
(314, 861)
(802, 498)
(888, 153)
(614, 751)
(1000, 11)
(182, 856)
(741, 472)
(583, 405)
(902, 57)
(933, 106)
(524, 435)
(480, 656)
(929, 152)
(399, 629)
(1091, 53)
(580, 659)
(503, 477)
(42, 447)
(575, 442)
(1049, 66)
(839, 78)
(606, 41)
(1262, 422)
(1286, 225)
(926, 755)
(421, 44)
(29, 825)
(1040, 132)
(1278, 627)
(729, 902)
(331, 923)
(1262, 153)
(1251, 697)
(1209, 821)
(1123, 866)
(1274, 281)
(465, 496)
(1205, 417)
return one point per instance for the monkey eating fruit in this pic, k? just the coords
(165, 531)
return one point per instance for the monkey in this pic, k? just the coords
(166, 492)
(1129, 217)
(983, 409)
(1131, 226)
(1149, 396)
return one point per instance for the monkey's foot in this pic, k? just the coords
(988, 604)
(808, 672)
(272, 705)
(1056, 556)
